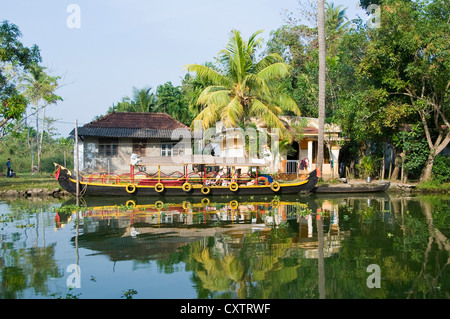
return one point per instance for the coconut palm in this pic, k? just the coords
(322, 85)
(243, 87)
(39, 87)
(142, 101)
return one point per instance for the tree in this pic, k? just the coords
(243, 87)
(170, 100)
(409, 56)
(15, 59)
(40, 89)
(143, 100)
(322, 87)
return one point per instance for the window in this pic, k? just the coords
(139, 147)
(166, 149)
(108, 147)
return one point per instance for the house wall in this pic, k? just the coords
(92, 162)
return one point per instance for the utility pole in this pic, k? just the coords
(77, 165)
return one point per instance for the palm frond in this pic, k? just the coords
(214, 95)
(274, 71)
(208, 116)
(208, 75)
(270, 118)
(256, 85)
(232, 113)
(267, 61)
(287, 103)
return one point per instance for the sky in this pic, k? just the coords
(102, 49)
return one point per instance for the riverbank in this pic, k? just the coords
(31, 185)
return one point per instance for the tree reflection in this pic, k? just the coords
(23, 267)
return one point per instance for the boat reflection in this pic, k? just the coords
(162, 226)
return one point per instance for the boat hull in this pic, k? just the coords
(68, 183)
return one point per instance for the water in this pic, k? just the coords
(309, 247)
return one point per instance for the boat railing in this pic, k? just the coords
(205, 178)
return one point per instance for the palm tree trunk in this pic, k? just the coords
(41, 138)
(37, 136)
(322, 75)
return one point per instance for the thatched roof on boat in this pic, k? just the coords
(133, 125)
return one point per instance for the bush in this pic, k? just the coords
(441, 169)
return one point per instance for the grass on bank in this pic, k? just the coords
(433, 186)
(25, 181)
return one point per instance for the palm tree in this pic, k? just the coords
(141, 101)
(243, 87)
(39, 86)
(322, 78)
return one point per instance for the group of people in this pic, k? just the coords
(10, 172)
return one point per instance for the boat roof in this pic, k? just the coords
(207, 160)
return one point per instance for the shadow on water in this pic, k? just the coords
(303, 246)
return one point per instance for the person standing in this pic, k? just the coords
(8, 165)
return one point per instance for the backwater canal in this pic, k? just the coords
(380, 246)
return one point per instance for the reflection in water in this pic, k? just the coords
(247, 249)
(281, 247)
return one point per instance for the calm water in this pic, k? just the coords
(377, 246)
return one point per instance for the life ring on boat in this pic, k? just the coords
(205, 201)
(186, 205)
(159, 204)
(159, 187)
(130, 203)
(234, 204)
(275, 203)
(130, 188)
(263, 180)
(186, 187)
(275, 186)
(234, 186)
(205, 190)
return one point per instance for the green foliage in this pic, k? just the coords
(143, 100)
(15, 60)
(243, 87)
(369, 166)
(54, 149)
(170, 100)
(412, 141)
(441, 169)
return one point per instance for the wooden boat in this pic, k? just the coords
(356, 188)
(201, 183)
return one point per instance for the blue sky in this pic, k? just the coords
(124, 44)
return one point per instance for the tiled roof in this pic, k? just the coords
(131, 124)
(311, 130)
(146, 120)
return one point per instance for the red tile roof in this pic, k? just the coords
(135, 120)
(310, 130)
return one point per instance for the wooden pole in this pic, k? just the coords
(77, 164)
